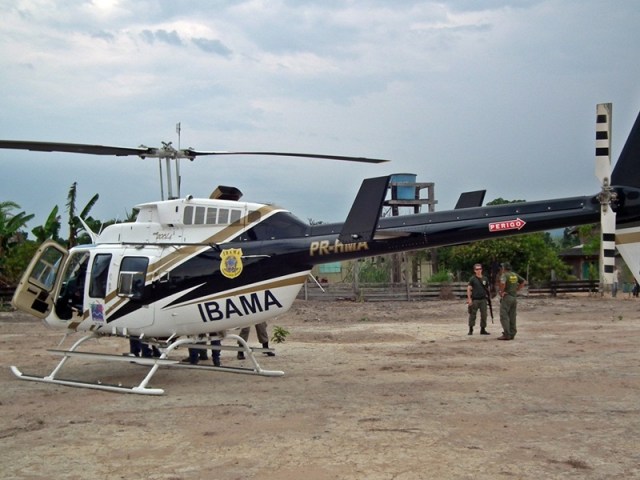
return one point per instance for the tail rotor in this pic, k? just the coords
(607, 195)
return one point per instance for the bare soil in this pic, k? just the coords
(371, 391)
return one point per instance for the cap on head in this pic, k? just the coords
(506, 266)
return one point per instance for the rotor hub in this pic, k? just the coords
(608, 197)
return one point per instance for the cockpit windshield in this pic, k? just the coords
(279, 225)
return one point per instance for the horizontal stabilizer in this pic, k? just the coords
(470, 199)
(365, 212)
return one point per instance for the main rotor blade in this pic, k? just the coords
(165, 151)
(196, 153)
(73, 148)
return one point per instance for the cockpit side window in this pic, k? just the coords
(99, 275)
(46, 270)
(71, 296)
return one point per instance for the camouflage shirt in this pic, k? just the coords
(479, 286)
(512, 282)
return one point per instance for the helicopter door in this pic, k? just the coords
(34, 293)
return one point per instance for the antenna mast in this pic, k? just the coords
(178, 178)
(168, 153)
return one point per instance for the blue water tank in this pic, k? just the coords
(406, 192)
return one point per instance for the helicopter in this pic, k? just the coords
(191, 270)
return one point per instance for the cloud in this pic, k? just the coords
(104, 35)
(170, 38)
(212, 46)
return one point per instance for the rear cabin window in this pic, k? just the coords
(199, 215)
(198, 218)
(223, 216)
(234, 216)
(133, 272)
(187, 217)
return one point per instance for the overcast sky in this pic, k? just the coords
(496, 95)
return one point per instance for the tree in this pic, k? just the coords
(11, 238)
(569, 238)
(589, 236)
(10, 225)
(535, 254)
(50, 229)
(71, 211)
(74, 224)
(15, 263)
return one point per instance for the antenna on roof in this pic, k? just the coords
(178, 178)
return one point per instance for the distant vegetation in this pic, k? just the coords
(17, 246)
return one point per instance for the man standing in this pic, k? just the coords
(477, 296)
(510, 283)
(263, 338)
(616, 282)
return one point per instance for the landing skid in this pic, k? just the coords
(96, 386)
(154, 363)
(242, 347)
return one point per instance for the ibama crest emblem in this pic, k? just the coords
(231, 262)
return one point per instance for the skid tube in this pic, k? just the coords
(153, 363)
(256, 369)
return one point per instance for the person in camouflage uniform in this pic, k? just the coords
(510, 283)
(477, 297)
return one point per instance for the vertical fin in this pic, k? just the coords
(470, 199)
(627, 169)
(365, 212)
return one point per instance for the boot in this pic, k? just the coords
(483, 331)
(470, 331)
(240, 353)
(268, 354)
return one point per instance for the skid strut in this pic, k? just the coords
(256, 369)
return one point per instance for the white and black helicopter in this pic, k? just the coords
(190, 270)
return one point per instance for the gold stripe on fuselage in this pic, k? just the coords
(278, 283)
(185, 253)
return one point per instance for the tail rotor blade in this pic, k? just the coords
(608, 246)
(603, 143)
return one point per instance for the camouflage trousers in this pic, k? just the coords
(473, 311)
(508, 307)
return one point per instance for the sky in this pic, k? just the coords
(495, 94)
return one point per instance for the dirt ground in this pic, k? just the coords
(371, 391)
